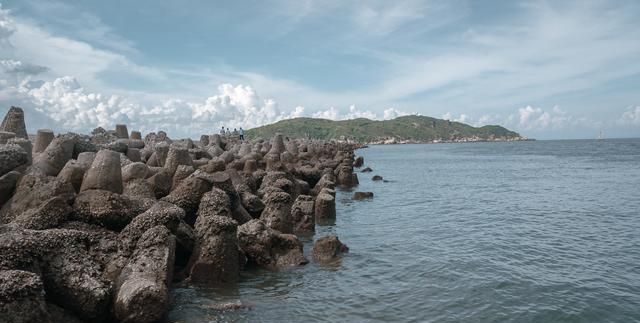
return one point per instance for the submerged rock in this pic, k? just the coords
(362, 195)
(269, 248)
(329, 248)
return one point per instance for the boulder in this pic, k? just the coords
(215, 202)
(277, 145)
(136, 135)
(108, 209)
(22, 297)
(282, 180)
(85, 159)
(139, 188)
(55, 156)
(161, 213)
(277, 212)
(362, 195)
(50, 214)
(176, 156)
(327, 249)
(325, 208)
(326, 181)
(189, 193)
(142, 289)
(250, 166)
(31, 192)
(222, 180)
(204, 140)
(25, 144)
(105, 173)
(344, 176)
(252, 203)
(119, 146)
(14, 122)
(215, 257)
(83, 145)
(135, 170)
(5, 136)
(73, 280)
(160, 183)
(182, 172)
(11, 157)
(358, 162)
(303, 214)
(366, 170)
(73, 173)
(121, 131)
(268, 248)
(8, 184)
(134, 154)
(376, 178)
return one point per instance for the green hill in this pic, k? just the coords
(407, 128)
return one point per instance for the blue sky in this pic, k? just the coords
(548, 69)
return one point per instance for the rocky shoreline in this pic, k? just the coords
(97, 228)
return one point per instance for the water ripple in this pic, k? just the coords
(491, 232)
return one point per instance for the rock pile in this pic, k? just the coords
(96, 227)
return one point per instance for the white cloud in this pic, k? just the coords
(462, 118)
(7, 26)
(65, 101)
(354, 112)
(392, 113)
(631, 116)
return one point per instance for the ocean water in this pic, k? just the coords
(544, 231)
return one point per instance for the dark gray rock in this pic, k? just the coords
(303, 214)
(22, 297)
(362, 195)
(105, 173)
(108, 209)
(325, 207)
(327, 249)
(32, 191)
(14, 122)
(215, 254)
(51, 161)
(269, 248)
(11, 157)
(277, 212)
(142, 290)
(8, 184)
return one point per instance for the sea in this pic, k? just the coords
(530, 231)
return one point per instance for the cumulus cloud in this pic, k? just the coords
(353, 112)
(74, 108)
(631, 116)
(7, 26)
(392, 113)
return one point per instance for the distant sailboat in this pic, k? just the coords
(601, 135)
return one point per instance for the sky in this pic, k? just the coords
(547, 69)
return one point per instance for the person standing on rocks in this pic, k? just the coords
(222, 131)
(228, 133)
(241, 134)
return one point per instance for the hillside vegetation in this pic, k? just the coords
(407, 128)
